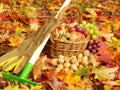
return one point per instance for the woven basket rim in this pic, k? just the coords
(70, 42)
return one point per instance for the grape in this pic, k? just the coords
(78, 28)
(91, 28)
(91, 31)
(98, 45)
(84, 22)
(90, 42)
(85, 32)
(94, 37)
(93, 51)
(71, 29)
(96, 41)
(89, 47)
(97, 32)
(94, 46)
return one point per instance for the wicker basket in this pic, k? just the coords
(56, 46)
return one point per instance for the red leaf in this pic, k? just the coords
(103, 48)
(105, 57)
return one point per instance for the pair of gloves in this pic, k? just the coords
(16, 59)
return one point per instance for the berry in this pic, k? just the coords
(78, 28)
(71, 29)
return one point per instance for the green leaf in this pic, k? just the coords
(104, 73)
(84, 70)
(22, 10)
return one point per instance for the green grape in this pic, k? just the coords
(94, 37)
(97, 32)
(91, 26)
(84, 22)
(93, 23)
(86, 27)
(88, 24)
(91, 31)
(81, 25)
(95, 28)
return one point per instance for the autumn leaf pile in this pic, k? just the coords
(100, 71)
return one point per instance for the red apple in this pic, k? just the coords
(80, 36)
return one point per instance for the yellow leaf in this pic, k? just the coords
(36, 88)
(107, 87)
(13, 42)
(1, 8)
(11, 87)
(76, 79)
(68, 77)
(117, 81)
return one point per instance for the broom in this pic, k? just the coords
(30, 49)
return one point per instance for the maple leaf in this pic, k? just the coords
(104, 73)
(13, 42)
(61, 75)
(103, 48)
(105, 57)
(116, 54)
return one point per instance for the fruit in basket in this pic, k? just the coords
(72, 29)
(85, 32)
(76, 36)
(91, 28)
(78, 28)
(80, 36)
(117, 34)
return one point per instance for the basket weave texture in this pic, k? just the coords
(56, 46)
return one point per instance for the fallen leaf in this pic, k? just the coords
(13, 42)
(104, 73)
(103, 48)
(105, 57)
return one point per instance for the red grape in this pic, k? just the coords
(94, 46)
(89, 47)
(85, 32)
(90, 42)
(93, 51)
(78, 28)
(98, 45)
(71, 29)
(96, 41)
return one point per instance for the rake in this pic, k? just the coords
(30, 49)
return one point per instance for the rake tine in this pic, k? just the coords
(15, 78)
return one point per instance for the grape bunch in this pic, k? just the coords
(91, 28)
(93, 45)
(78, 28)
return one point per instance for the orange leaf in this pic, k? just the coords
(61, 75)
(13, 42)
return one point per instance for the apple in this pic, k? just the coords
(80, 36)
(73, 36)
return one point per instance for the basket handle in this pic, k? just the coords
(72, 7)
